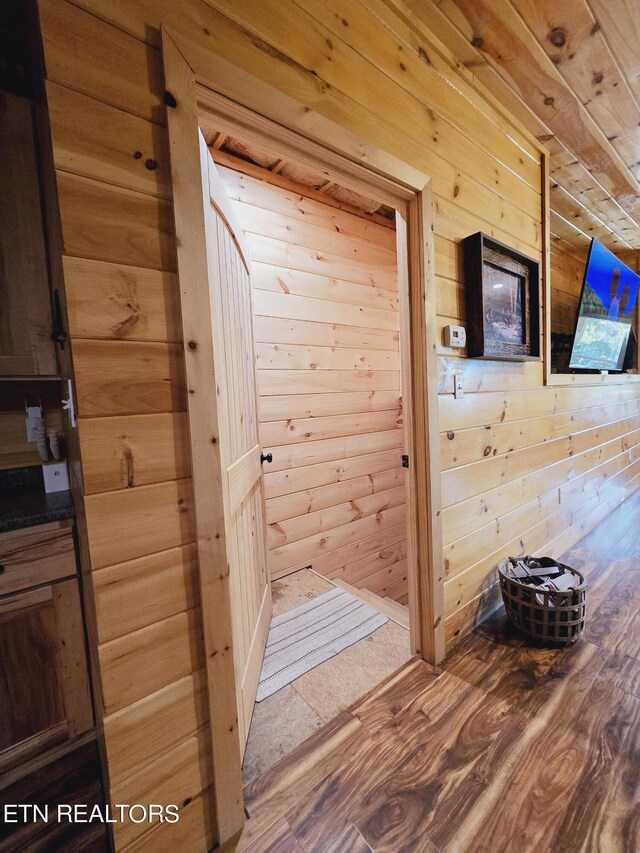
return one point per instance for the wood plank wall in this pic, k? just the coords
(112, 172)
(327, 350)
(518, 472)
(567, 270)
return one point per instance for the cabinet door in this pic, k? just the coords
(69, 778)
(36, 555)
(26, 348)
(44, 690)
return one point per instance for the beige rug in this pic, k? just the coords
(306, 636)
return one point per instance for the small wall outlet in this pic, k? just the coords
(455, 336)
(458, 390)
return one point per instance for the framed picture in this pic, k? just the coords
(503, 301)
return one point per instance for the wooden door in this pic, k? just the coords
(237, 401)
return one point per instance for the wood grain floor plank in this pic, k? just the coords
(424, 729)
(601, 732)
(383, 705)
(552, 775)
(507, 746)
(615, 819)
(623, 672)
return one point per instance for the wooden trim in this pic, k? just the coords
(545, 164)
(405, 189)
(425, 458)
(208, 473)
(408, 414)
(592, 379)
(394, 611)
(385, 177)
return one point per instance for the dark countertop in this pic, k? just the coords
(24, 502)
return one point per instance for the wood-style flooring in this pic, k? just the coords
(506, 747)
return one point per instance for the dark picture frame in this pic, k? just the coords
(502, 289)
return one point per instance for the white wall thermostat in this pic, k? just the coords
(455, 336)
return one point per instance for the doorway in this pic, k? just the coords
(326, 333)
(396, 186)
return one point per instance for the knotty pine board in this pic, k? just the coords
(118, 237)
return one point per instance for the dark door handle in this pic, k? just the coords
(266, 457)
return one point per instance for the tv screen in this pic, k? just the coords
(606, 312)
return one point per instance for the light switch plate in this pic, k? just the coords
(458, 390)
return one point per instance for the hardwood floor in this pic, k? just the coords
(506, 747)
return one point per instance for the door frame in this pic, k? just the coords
(194, 97)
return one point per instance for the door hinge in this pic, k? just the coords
(405, 460)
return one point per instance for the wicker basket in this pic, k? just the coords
(546, 615)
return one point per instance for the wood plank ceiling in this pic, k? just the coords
(570, 71)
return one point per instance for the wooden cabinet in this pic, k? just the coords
(69, 778)
(44, 688)
(36, 555)
(26, 346)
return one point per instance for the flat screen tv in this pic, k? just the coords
(606, 312)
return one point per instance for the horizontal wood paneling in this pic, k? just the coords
(105, 91)
(134, 522)
(96, 141)
(167, 583)
(325, 473)
(326, 311)
(406, 98)
(527, 469)
(155, 724)
(567, 270)
(135, 665)
(133, 450)
(110, 223)
(89, 56)
(178, 776)
(324, 334)
(322, 405)
(116, 301)
(115, 378)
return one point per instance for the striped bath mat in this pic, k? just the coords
(311, 634)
